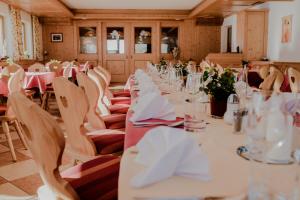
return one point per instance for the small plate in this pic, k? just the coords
(243, 152)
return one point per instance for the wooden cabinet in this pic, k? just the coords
(252, 36)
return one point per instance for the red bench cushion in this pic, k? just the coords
(95, 179)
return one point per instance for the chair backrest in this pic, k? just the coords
(86, 66)
(106, 77)
(99, 70)
(67, 72)
(273, 81)
(92, 92)
(56, 67)
(46, 143)
(37, 67)
(102, 100)
(264, 71)
(66, 64)
(73, 107)
(16, 81)
(13, 68)
(294, 79)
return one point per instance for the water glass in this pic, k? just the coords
(195, 115)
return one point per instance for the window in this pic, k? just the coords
(2, 46)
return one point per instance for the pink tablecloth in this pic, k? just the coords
(3, 87)
(38, 80)
(32, 80)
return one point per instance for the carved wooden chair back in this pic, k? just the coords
(264, 71)
(37, 67)
(56, 67)
(294, 79)
(73, 107)
(92, 92)
(102, 100)
(46, 143)
(273, 81)
(66, 64)
(16, 81)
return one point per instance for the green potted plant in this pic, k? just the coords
(218, 84)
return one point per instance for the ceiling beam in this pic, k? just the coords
(64, 7)
(201, 7)
(130, 14)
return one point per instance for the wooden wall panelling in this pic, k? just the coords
(59, 50)
(226, 59)
(195, 42)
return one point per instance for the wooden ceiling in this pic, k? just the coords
(206, 8)
(44, 8)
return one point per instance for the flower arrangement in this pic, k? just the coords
(115, 35)
(143, 35)
(183, 67)
(162, 64)
(219, 85)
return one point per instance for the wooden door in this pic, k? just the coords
(116, 38)
(255, 35)
(144, 44)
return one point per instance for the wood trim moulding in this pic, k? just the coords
(131, 14)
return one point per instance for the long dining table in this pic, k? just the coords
(230, 172)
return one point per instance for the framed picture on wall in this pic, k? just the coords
(56, 37)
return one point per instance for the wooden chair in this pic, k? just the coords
(66, 64)
(273, 81)
(57, 68)
(37, 67)
(95, 179)
(122, 97)
(9, 69)
(112, 117)
(73, 106)
(264, 71)
(15, 84)
(105, 105)
(294, 79)
(86, 67)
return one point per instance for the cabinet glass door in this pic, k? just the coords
(88, 40)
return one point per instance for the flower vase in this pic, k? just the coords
(218, 107)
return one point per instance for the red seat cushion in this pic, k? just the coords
(121, 94)
(108, 141)
(95, 179)
(119, 108)
(2, 109)
(114, 121)
(121, 100)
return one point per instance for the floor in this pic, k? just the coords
(21, 178)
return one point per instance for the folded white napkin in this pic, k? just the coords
(153, 105)
(167, 152)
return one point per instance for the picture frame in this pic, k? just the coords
(56, 37)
